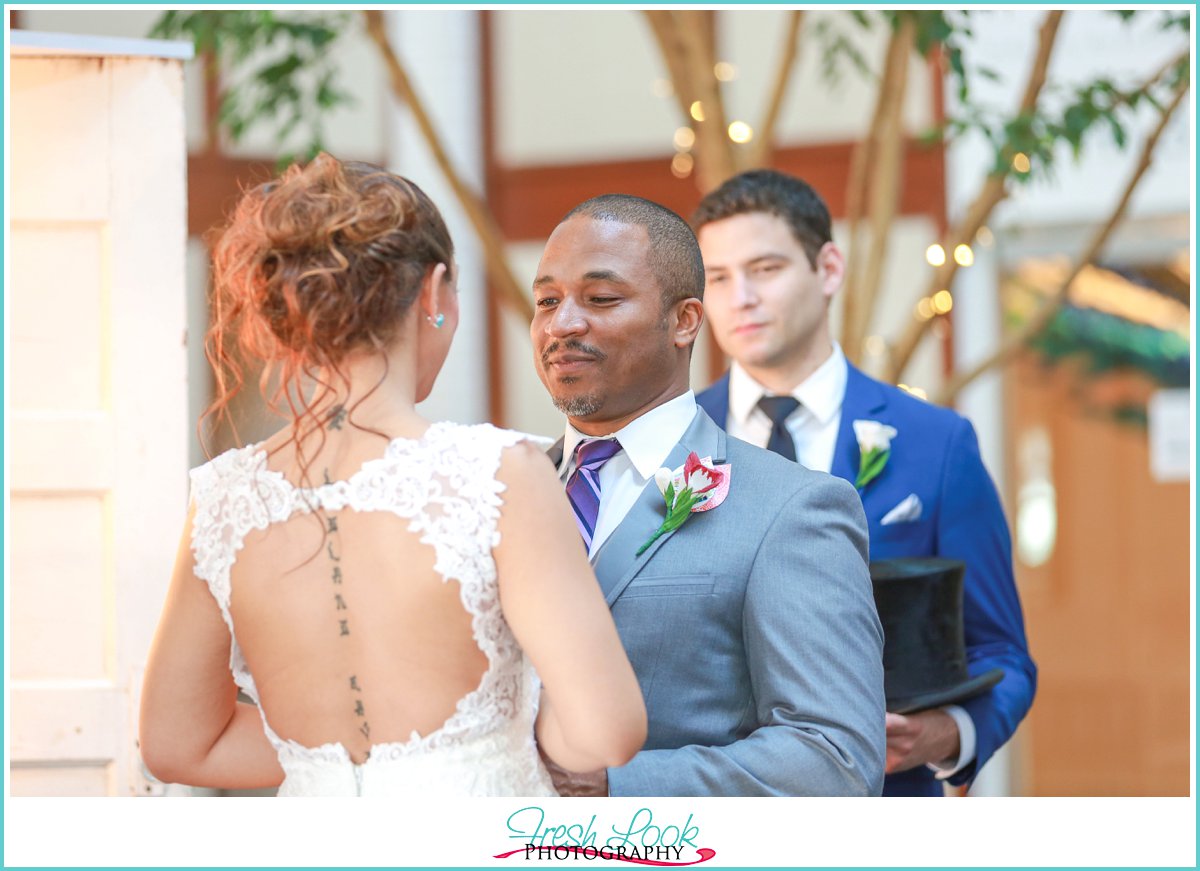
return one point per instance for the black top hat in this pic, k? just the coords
(924, 655)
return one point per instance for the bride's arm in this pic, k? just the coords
(193, 730)
(592, 713)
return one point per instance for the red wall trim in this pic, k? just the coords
(530, 201)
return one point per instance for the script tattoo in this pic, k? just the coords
(342, 608)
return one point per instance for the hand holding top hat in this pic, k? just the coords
(919, 600)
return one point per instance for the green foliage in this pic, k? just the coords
(1105, 343)
(1070, 115)
(835, 36)
(277, 70)
(1065, 115)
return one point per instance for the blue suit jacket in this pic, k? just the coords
(936, 456)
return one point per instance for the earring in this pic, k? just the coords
(438, 321)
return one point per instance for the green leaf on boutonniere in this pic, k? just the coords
(680, 509)
(870, 466)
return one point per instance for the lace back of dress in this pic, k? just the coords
(444, 486)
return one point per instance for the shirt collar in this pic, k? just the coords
(821, 392)
(647, 440)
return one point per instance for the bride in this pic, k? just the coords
(381, 587)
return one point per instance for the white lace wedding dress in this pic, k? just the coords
(445, 485)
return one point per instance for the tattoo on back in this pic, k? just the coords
(342, 609)
(337, 418)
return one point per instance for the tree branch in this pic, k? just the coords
(764, 140)
(1017, 340)
(673, 54)
(714, 150)
(498, 270)
(886, 181)
(993, 192)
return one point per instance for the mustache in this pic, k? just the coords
(573, 345)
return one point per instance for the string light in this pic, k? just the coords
(984, 237)
(935, 255)
(914, 391)
(924, 309)
(681, 165)
(942, 302)
(874, 346)
(1020, 162)
(963, 255)
(697, 111)
(740, 132)
(725, 71)
(685, 138)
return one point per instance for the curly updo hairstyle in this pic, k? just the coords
(322, 262)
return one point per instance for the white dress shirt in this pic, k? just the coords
(814, 427)
(645, 445)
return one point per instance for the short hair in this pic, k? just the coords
(674, 257)
(766, 190)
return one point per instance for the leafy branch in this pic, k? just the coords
(281, 72)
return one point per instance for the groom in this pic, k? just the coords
(751, 627)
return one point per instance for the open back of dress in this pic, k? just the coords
(365, 619)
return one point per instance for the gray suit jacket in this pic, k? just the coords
(753, 633)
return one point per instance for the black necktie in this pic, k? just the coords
(778, 408)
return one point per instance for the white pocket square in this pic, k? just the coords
(908, 510)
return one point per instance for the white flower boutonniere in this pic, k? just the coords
(695, 486)
(874, 449)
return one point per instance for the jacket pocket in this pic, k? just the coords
(671, 585)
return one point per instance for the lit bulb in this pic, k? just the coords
(942, 302)
(935, 255)
(725, 71)
(925, 309)
(984, 237)
(963, 255)
(740, 132)
(874, 346)
(685, 138)
(1021, 162)
(681, 165)
(697, 111)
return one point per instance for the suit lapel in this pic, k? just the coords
(555, 453)
(863, 401)
(616, 562)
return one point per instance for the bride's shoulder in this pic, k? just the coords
(224, 466)
(494, 436)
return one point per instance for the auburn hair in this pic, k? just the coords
(322, 262)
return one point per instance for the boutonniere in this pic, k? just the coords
(874, 449)
(695, 486)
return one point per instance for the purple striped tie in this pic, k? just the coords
(583, 487)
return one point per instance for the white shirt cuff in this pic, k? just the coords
(966, 744)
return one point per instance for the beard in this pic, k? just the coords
(578, 406)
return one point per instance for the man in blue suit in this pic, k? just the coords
(772, 270)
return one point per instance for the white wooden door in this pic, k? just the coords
(97, 404)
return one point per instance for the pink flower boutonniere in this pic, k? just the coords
(696, 486)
